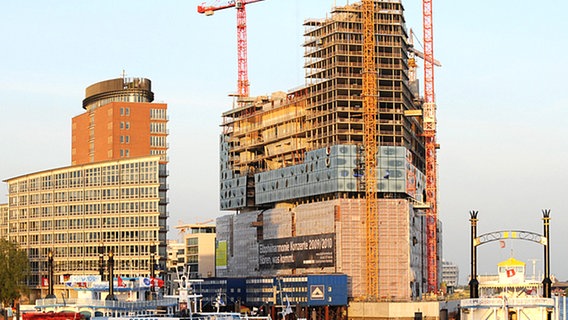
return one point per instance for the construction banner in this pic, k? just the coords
(315, 251)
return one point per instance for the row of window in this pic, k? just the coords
(142, 263)
(86, 223)
(90, 251)
(85, 177)
(88, 208)
(158, 114)
(96, 194)
(158, 127)
(136, 265)
(77, 195)
(85, 237)
(122, 222)
(158, 141)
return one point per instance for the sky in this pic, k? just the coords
(501, 101)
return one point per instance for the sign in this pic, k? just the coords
(317, 292)
(81, 281)
(221, 255)
(144, 282)
(85, 278)
(314, 251)
(44, 281)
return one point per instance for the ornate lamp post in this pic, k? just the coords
(473, 283)
(152, 270)
(546, 282)
(111, 276)
(50, 294)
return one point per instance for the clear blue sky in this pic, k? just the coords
(502, 103)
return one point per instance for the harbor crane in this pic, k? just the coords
(242, 57)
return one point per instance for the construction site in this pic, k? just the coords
(338, 175)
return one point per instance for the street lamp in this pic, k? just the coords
(111, 276)
(50, 294)
(152, 271)
(473, 283)
(546, 282)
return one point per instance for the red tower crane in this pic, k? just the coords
(242, 82)
(429, 116)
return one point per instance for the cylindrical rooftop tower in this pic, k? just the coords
(118, 90)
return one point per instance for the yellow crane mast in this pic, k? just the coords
(371, 146)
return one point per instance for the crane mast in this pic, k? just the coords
(370, 145)
(429, 116)
(242, 55)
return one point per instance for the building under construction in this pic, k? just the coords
(293, 165)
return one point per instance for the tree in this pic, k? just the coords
(14, 269)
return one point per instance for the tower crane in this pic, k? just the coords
(429, 119)
(413, 53)
(208, 10)
(370, 113)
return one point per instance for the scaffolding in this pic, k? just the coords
(270, 132)
(266, 133)
(334, 76)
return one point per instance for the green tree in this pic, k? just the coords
(14, 269)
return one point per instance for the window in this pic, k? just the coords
(158, 114)
(158, 127)
(158, 141)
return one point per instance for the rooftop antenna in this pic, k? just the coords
(123, 78)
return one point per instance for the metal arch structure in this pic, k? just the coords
(510, 234)
(476, 241)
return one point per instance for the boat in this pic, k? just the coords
(130, 299)
(509, 295)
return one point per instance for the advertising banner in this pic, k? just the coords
(81, 281)
(221, 255)
(314, 251)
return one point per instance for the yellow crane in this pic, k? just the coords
(183, 227)
(370, 143)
